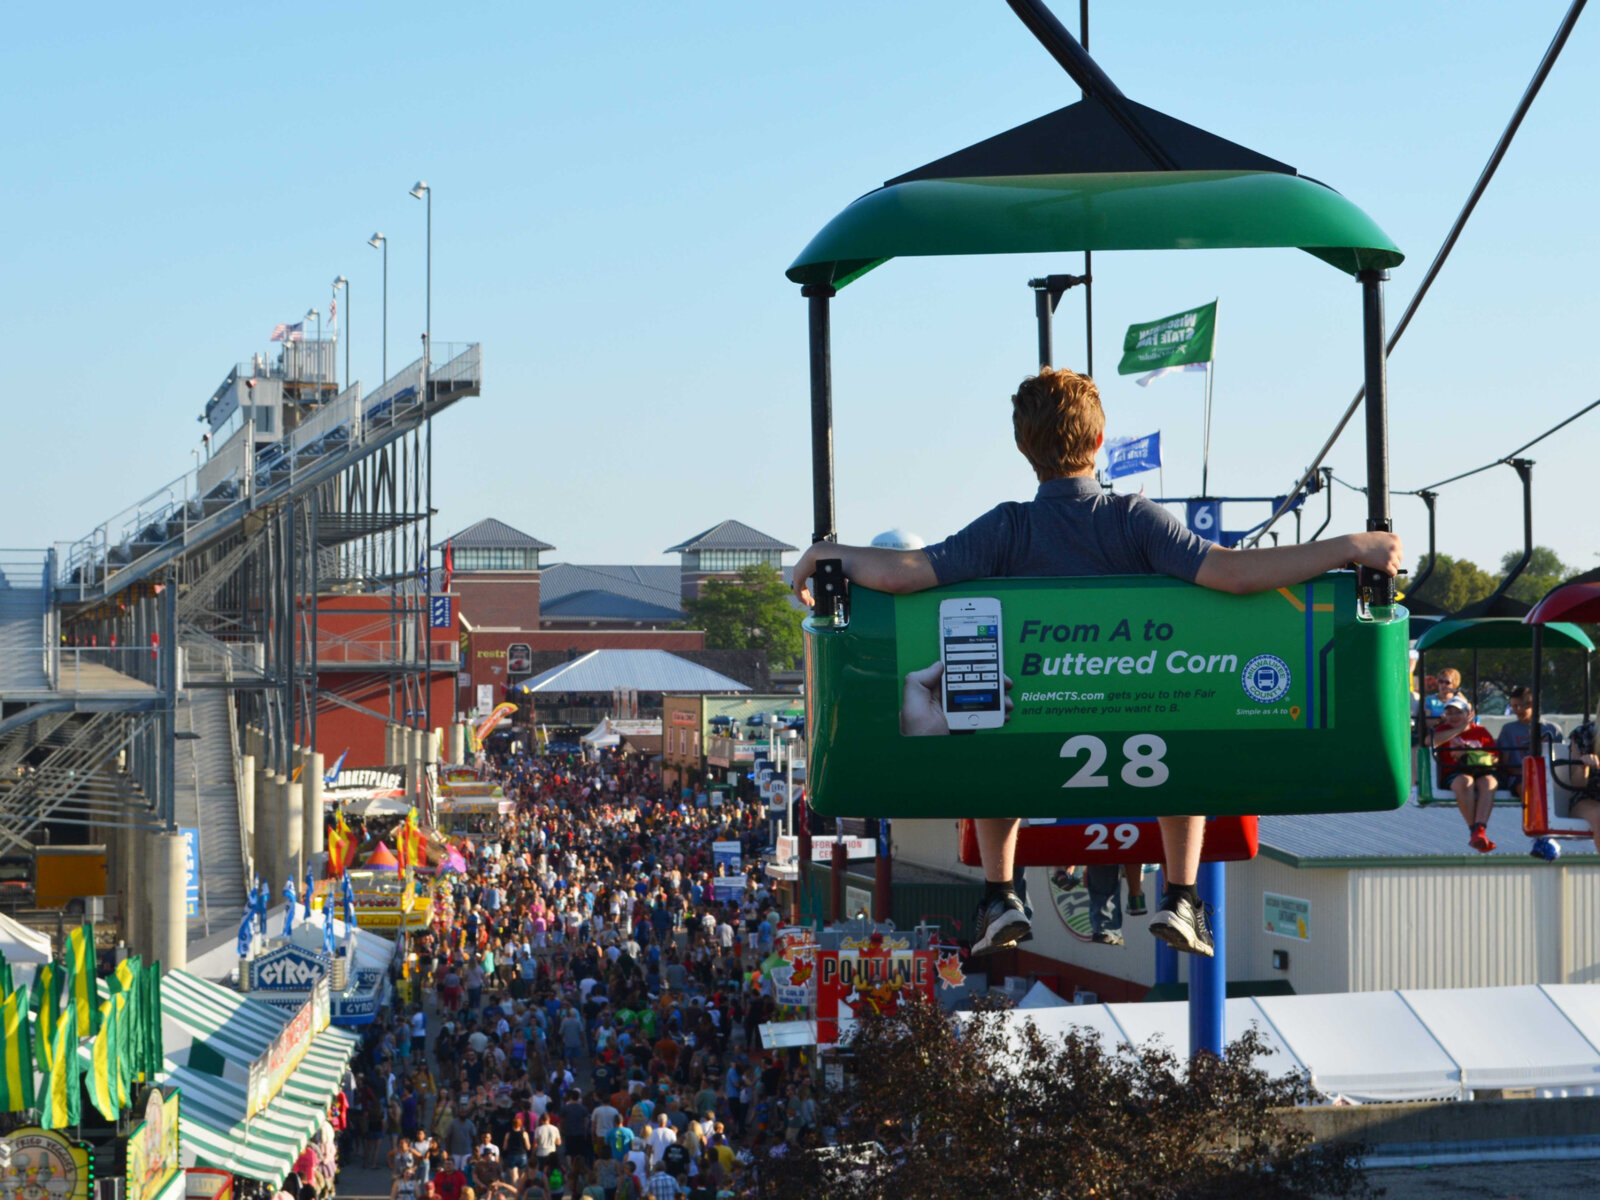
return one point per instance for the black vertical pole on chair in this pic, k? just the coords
(1377, 587)
(1041, 311)
(822, 520)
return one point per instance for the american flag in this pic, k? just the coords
(288, 333)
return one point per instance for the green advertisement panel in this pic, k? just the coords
(1138, 695)
(1160, 657)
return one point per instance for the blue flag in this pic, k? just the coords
(246, 934)
(1129, 456)
(305, 913)
(288, 913)
(349, 906)
(263, 894)
(327, 925)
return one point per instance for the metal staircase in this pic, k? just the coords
(24, 616)
(207, 800)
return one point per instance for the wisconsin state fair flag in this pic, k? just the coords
(16, 1067)
(1181, 342)
(81, 965)
(1129, 456)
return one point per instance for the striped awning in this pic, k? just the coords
(214, 1135)
(237, 1030)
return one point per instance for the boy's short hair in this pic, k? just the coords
(1058, 421)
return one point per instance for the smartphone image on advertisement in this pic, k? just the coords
(969, 644)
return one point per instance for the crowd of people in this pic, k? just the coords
(581, 1021)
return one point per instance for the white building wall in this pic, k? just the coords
(1318, 964)
(1579, 924)
(1453, 927)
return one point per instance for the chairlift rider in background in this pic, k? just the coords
(1073, 528)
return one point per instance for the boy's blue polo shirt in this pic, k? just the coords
(1070, 527)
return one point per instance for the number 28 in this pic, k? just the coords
(1144, 767)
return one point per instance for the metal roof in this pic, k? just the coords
(490, 534)
(598, 604)
(655, 586)
(1412, 835)
(643, 670)
(730, 535)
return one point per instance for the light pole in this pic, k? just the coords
(422, 191)
(788, 782)
(342, 282)
(313, 314)
(378, 241)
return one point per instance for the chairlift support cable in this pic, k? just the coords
(1498, 462)
(1540, 74)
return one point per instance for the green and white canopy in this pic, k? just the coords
(213, 1034)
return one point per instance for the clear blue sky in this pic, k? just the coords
(619, 188)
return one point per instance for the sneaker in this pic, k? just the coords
(999, 924)
(1480, 839)
(1108, 937)
(1066, 880)
(1182, 925)
(1136, 906)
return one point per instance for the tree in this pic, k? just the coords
(1545, 569)
(942, 1111)
(752, 613)
(1455, 583)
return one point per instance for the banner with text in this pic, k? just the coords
(1181, 340)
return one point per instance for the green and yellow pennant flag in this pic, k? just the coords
(81, 977)
(104, 1072)
(16, 1053)
(48, 983)
(130, 981)
(60, 1104)
(6, 986)
(123, 1074)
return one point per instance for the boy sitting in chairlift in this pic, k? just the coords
(1073, 528)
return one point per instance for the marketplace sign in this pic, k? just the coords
(153, 1149)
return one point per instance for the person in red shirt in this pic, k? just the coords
(1467, 757)
(448, 1183)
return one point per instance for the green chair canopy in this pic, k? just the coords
(1141, 210)
(1501, 633)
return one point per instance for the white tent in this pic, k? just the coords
(21, 944)
(1507, 1037)
(1170, 1022)
(1364, 1046)
(1039, 996)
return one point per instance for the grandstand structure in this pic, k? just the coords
(161, 677)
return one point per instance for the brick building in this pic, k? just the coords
(721, 552)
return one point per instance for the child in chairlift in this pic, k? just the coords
(1073, 528)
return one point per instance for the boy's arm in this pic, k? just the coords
(875, 567)
(1245, 571)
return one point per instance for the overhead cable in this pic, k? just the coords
(1504, 144)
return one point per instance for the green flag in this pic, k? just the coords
(61, 1104)
(127, 981)
(1183, 341)
(155, 1050)
(80, 957)
(104, 1092)
(16, 1053)
(6, 986)
(46, 1003)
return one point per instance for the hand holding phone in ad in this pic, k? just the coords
(969, 645)
(922, 702)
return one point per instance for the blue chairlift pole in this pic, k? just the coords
(1208, 977)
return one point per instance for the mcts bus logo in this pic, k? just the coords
(1265, 678)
